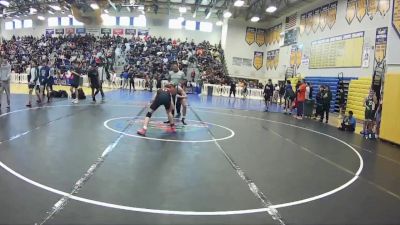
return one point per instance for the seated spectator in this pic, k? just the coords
(348, 123)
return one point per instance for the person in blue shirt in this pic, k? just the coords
(44, 78)
(348, 123)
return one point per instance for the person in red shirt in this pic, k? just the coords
(301, 97)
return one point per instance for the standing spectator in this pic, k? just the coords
(369, 104)
(341, 99)
(308, 89)
(93, 75)
(326, 99)
(289, 97)
(44, 74)
(233, 89)
(281, 93)
(301, 97)
(319, 103)
(276, 94)
(33, 76)
(132, 80)
(5, 72)
(268, 92)
(176, 77)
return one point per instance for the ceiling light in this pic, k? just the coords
(55, 7)
(51, 12)
(181, 19)
(255, 19)
(238, 3)
(94, 6)
(219, 23)
(271, 9)
(182, 9)
(5, 3)
(40, 17)
(227, 14)
(141, 7)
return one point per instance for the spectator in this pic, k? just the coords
(5, 72)
(268, 93)
(301, 97)
(319, 103)
(233, 89)
(348, 123)
(326, 99)
(289, 97)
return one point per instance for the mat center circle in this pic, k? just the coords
(195, 131)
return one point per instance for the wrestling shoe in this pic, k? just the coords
(142, 132)
(183, 121)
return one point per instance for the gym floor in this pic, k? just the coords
(232, 164)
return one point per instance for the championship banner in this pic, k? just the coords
(81, 30)
(323, 18)
(273, 35)
(129, 31)
(49, 32)
(70, 31)
(269, 60)
(250, 35)
(372, 8)
(299, 54)
(332, 15)
(260, 37)
(381, 44)
(105, 30)
(309, 22)
(361, 9)
(266, 37)
(60, 31)
(258, 60)
(383, 7)
(350, 11)
(118, 31)
(142, 32)
(293, 55)
(93, 30)
(316, 18)
(276, 59)
(302, 23)
(396, 16)
(278, 34)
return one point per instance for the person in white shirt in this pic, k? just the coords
(5, 72)
(33, 78)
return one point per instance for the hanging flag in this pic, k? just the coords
(70, 31)
(350, 11)
(291, 21)
(260, 37)
(250, 35)
(381, 44)
(258, 60)
(323, 18)
(278, 33)
(309, 22)
(361, 9)
(299, 54)
(269, 60)
(396, 16)
(372, 8)
(316, 18)
(276, 59)
(302, 23)
(383, 6)
(332, 14)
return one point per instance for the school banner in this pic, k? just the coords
(396, 16)
(129, 31)
(323, 18)
(293, 55)
(81, 30)
(383, 7)
(372, 8)
(258, 60)
(250, 35)
(93, 30)
(309, 22)
(105, 30)
(299, 54)
(118, 31)
(278, 33)
(276, 59)
(351, 11)
(332, 14)
(302, 23)
(49, 32)
(143, 32)
(381, 44)
(60, 31)
(316, 18)
(260, 37)
(70, 31)
(361, 9)
(269, 60)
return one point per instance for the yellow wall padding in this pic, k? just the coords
(358, 90)
(390, 124)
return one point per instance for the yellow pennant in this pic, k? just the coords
(302, 23)
(332, 14)
(383, 6)
(323, 18)
(316, 19)
(350, 11)
(372, 8)
(276, 59)
(396, 16)
(250, 35)
(258, 60)
(361, 9)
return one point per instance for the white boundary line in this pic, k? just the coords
(232, 133)
(194, 213)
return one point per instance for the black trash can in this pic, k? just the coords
(209, 90)
(309, 108)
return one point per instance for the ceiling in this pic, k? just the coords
(20, 8)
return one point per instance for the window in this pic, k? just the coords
(76, 22)
(17, 24)
(28, 24)
(206, 26)
(175, 24)
(9, 25)
(124, 21)
(190, 25)
(52, 21)
(65, 21)
(140, 21)
(109, 20)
